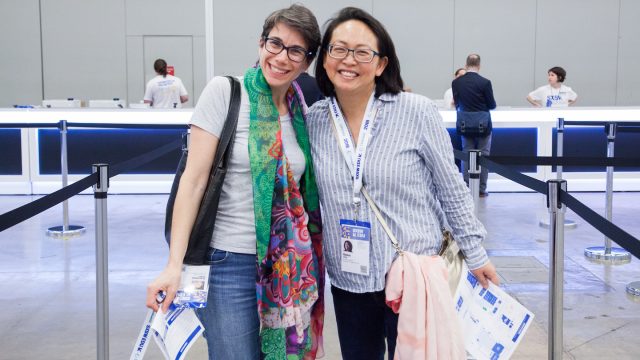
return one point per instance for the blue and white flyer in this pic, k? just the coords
(194, 286)
(176, 331)
(493, 323)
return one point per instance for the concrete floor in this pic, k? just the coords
(48, 303)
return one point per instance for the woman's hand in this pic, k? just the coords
(168, 282)
(485, 274)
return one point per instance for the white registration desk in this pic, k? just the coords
(541, 122)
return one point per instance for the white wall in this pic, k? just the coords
(91, 49)
(95, 49)
(164, 18)
(83, 49)
(20, 61)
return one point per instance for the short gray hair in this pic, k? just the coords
(299, 18)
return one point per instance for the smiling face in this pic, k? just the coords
(278, 69)
(348, 76)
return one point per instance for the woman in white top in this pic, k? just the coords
(448, 95)
(556, 94)
(165, 91)
(266, 276)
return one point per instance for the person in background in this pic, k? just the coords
(405, 159)
(449, 104)
(309, 88)
(474, 93)
(165, 91)
(266, 279)
(556, 94)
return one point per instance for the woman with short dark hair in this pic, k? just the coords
(555, 94)
(370, 134)
(266, 277)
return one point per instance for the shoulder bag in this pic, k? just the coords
(473, 123)
(203, 226)
(449, 251)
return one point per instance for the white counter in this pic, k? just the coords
(544, 120)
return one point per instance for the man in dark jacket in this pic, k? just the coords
(473, 96)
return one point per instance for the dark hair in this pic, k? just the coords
(299, 18)
(160, 66)
(458, 71)
(390, 80)
(473, 60)
(560, 73)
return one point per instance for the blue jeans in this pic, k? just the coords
(364, 321)
(230, 319)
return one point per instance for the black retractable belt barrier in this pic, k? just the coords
(628, 129)
(610, 230)
(31, 209)
(601, 123)
(596, 220)
(460, 155)
(564, 161)
(528, 181)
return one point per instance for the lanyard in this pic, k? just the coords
(352, 155)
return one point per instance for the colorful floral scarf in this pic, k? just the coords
(290, 280)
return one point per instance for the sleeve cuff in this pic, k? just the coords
(476, 258)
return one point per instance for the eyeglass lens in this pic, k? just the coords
(294, 53)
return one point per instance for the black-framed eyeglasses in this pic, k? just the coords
(294, 53)
(362, 55)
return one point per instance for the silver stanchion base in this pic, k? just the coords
(599, 253)
(60, 233)
(568, 224)
(634, 289)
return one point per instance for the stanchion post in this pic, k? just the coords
(102, 263)
(185, 141)
(607, 252)
(559, 146)
(474, 176)
(611, 138)
(556, 266)
(64, 172)
(65, 230)
(633, 289)
(568, 224)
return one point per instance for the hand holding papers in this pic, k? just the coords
(178, 329)
(493, 323)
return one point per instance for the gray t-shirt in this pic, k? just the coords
(235, 222)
